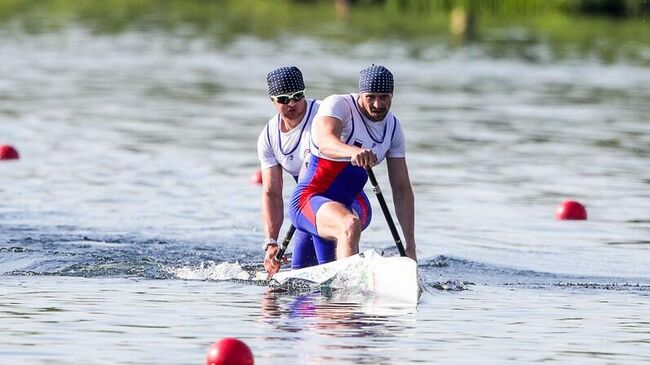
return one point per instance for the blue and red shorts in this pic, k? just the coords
(325, 181)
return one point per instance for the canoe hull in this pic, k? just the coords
(369, 272)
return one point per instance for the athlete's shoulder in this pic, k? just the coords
(313, 105)
(271, 125)
(336, 98)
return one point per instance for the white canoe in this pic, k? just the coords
(369, 272)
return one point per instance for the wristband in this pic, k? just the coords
(269, 242)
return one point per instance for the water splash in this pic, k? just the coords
(211, 271)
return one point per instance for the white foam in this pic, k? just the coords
(211, 271)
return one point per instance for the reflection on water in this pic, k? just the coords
(338, 316)
(174, 322)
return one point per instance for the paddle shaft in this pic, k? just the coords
(285, 243)
(384, 208)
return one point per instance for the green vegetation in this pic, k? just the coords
(614, 8)
(619, 28)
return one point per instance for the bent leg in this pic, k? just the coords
(304, 254)
(331, 221)
(361, 207)
(325, 250)
(304, 218)
(335, 222)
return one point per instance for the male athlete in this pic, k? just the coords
(350, 133)
(283, 145)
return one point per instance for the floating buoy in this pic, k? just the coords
(256, 177)
(571, 210)
(229, 351)
(7, 152)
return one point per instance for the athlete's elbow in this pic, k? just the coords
(328, 148)
(327, 151)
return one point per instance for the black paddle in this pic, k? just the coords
(285, 243)
(384, 208)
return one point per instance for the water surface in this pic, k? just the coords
(137, 146)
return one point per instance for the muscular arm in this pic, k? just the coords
(272, 204)
(404, 201)
(328, 131)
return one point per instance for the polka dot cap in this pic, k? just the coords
(375, 79)
(285, 80)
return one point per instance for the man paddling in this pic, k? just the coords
(282, 145)
(350, 133)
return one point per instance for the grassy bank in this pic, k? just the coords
(504, 24)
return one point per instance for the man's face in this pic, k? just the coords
(295, 105)
(375, 105)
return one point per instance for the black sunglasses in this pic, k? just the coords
(285, 99)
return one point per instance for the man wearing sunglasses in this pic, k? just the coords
(351, 132)
(283, 145)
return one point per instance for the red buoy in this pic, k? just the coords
(571, 210)
(7, 152)
(229, 351)
(256, 177)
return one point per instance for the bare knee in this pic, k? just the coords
(335, 222)
(351, 226)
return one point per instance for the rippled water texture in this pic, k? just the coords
(136, 150)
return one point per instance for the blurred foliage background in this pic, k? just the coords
(606, 29)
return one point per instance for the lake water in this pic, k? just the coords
(136, 152)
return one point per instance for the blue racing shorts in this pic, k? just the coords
(310, 250)
(325, 181)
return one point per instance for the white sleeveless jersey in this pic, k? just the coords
(385, 138)
(288, 150)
